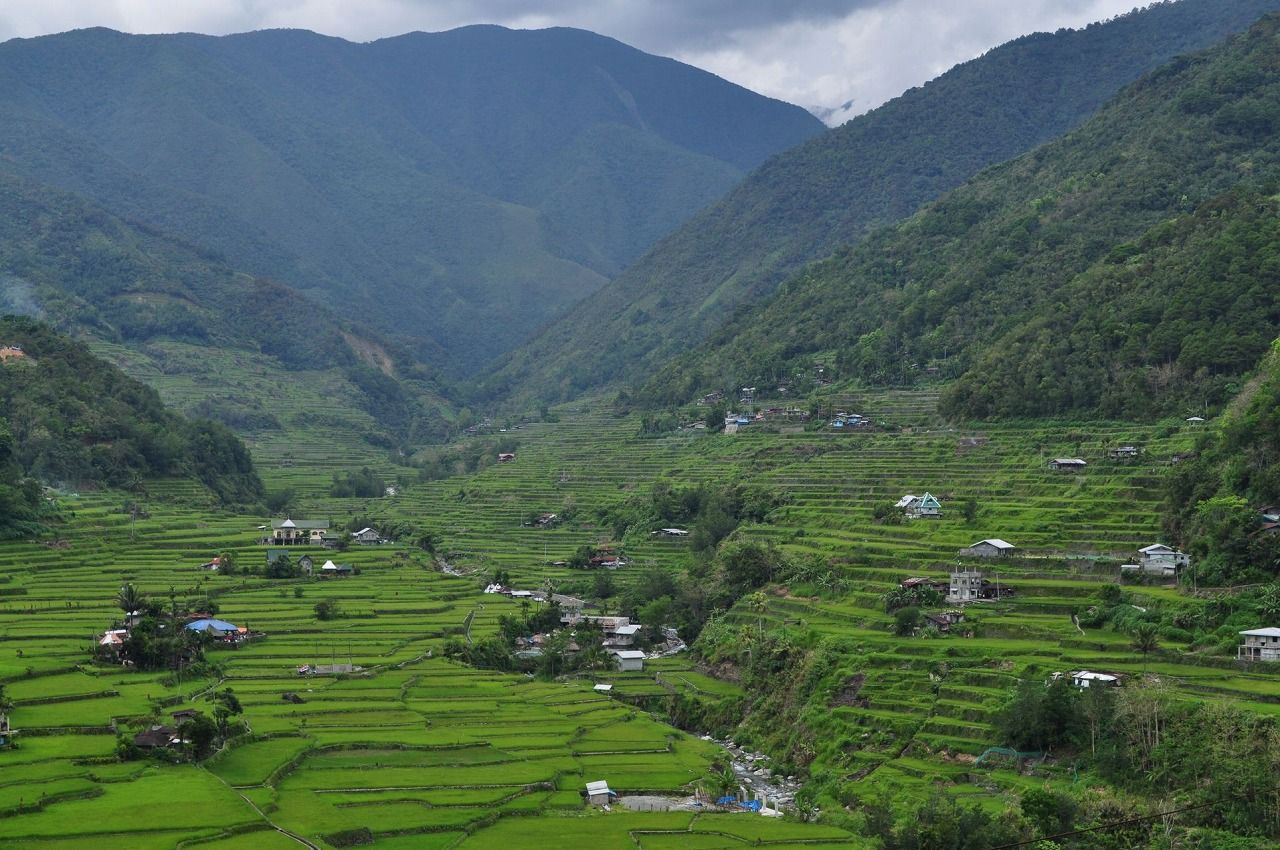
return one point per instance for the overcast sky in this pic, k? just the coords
(810, 52)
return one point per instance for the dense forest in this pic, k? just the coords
(75, 419)
(802, 205)
(430, 184)
(1128, 268)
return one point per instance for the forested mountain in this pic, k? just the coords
(1130, 268)
(454, 189)
(93, 274)
(73, 418)
(833, 190)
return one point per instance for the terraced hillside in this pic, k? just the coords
(422, 751)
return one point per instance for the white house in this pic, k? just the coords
(992, 547)
(920, 506)
(1260, 645)
(598, 793)
(628, 660)
(623, 635)
(1085, 679)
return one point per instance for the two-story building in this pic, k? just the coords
(1260, 645)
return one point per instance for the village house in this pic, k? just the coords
(330, 570)
(157, 737)
(920, 581)
(628, 660)
(623, 635)
(306, 565)
(916, 507)
(366, 536)
(301, 532)
(1159, 559)
(1068, 464)
(546, 520)
(1259, 645)
(970, 586)
(1124, 453)
(217, 629)
(11, 352)
(992, 547)
(598, 793)
(670, 532)
(1085, 679)
(965, 586)
(570, 608)
(944, 620)
(6, 734)
(213, 565)
(506, 457)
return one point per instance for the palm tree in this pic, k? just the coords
(1145, 640)
(759, 603)
(129, 598)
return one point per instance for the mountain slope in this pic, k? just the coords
(454, 188)
(836, 188)
(1214, 500)
(72, 417)
(95, 275)
(1129, 268)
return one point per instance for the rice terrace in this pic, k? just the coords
(464, 430)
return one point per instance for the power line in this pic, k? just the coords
(1118, 823)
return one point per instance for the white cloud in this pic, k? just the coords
(810, 52)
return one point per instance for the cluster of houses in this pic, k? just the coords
(733, 422)
(844, 420)
(307, 565)
(313, 532)
(111, 642)
(619, 633)
(1077, 464)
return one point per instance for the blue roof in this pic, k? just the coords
(211, 625)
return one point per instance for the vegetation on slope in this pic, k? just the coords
(89, 272)
(838, 187)
(73, 418)
(1128, 268)
(432, 184)
(1215, 498)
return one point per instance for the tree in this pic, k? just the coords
(200, 733)
(227, 564)
(1146, 640)
(281, 567)
(130, 599)
(970, 510)
(327, 610)
(906, 621)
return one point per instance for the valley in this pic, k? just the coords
(419, 750)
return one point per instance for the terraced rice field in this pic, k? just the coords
(422, 752)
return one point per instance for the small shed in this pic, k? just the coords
(1124, 453)
(1068, 464)
(366, 536)
(629, 660)
(992, 547)
(598, 793)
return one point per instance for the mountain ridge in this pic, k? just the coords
(805, 203)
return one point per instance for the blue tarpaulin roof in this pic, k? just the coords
(207, 625)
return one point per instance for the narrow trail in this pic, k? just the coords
(298, 838)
